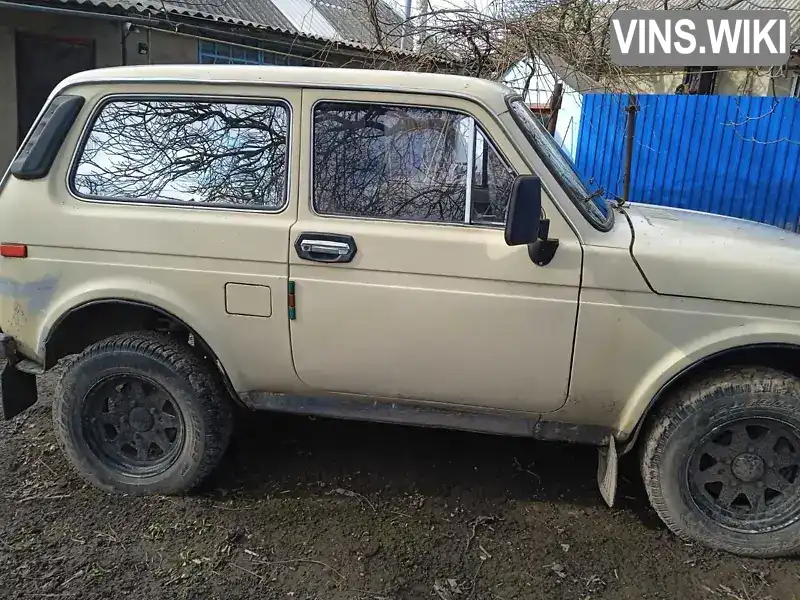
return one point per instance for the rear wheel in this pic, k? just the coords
(142, 413)
(721, 462)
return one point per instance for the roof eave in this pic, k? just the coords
(202, 19)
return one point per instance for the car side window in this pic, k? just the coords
(406, 163)
(188, 152)
(492, 181)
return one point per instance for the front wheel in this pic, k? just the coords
(142, 413)
(721, 462)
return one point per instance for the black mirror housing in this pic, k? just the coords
(524, 211)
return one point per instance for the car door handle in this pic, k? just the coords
(325, 247)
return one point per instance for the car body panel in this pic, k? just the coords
(435, 312)
(173, 257)
(631, 344)
(688, 253)
(632, 341)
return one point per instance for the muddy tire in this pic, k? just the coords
(142, 413)
(721, 462)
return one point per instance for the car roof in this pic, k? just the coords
(488, 92)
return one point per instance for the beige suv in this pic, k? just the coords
(398, 247)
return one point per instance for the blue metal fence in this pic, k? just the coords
(730, 155)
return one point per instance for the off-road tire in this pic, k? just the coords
(692, 412)
(193, 382)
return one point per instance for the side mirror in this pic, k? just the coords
(524, 211)
(524, 222)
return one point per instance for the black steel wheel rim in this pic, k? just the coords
(745, 475)
(133, 425)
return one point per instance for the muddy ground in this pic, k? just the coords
(318, 509)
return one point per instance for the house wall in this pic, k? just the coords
(644, 82)
(730, 82)
(745, 82)
(107, 37)
(8, 98)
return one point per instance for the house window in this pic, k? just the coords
(217, 53)
(699, 80)
(186, 152)
(406, 163)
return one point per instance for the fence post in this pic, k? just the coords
(630, 126)
(555, 105)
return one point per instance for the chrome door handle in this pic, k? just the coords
(325, 247)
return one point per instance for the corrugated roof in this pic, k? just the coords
(352, 20)
(577, 80)
(306, 18)
(343, 21)
(261, 12)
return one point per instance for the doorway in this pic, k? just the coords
(42, 62)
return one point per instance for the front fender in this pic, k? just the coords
(680, 361)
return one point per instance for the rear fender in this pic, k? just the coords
(139, 291)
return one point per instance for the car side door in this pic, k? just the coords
(404, 286)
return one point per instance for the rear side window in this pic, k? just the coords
(190, 152)
(406, 163)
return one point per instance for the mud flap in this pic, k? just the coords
(19, 391)
(607, 471)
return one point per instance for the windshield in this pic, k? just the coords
(592, 204)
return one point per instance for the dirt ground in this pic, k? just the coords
(307, 509)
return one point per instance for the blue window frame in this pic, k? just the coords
(218, 53)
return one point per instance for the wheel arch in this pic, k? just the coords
(90, 321)
(778, 355)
